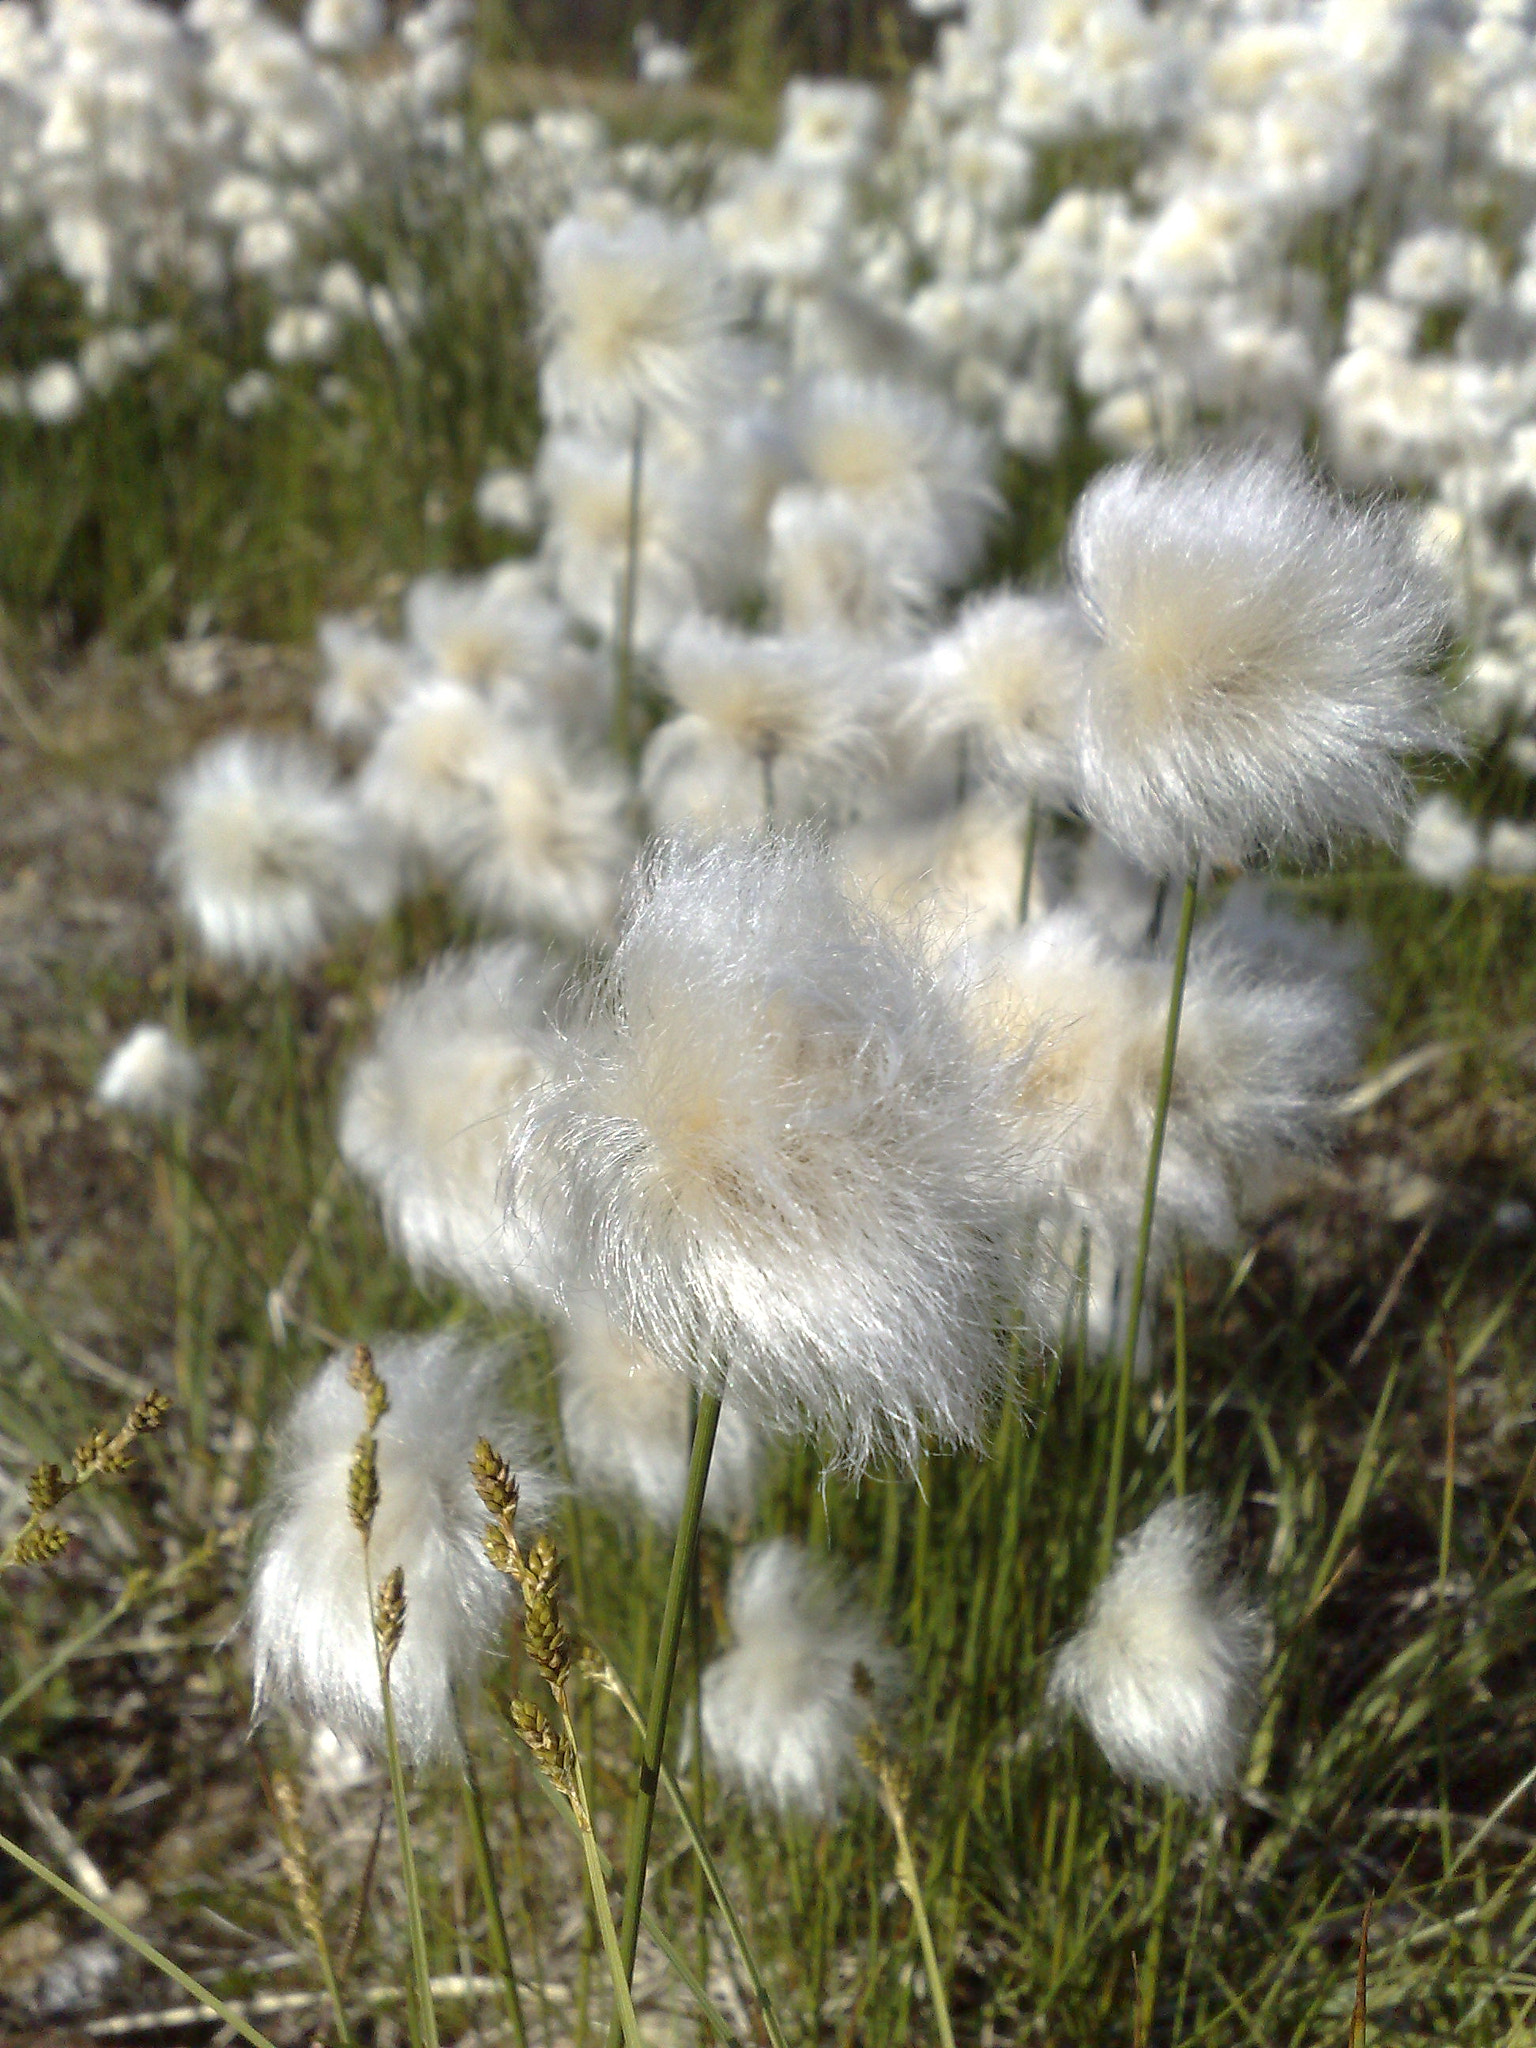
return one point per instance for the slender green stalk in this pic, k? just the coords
(1180, 1378)
(706, 1862)
(907, 1878)
(696, 1662)
(1138, 1292)
(624, 677)
(420, 2010)
(122, 1932)
(597, 1884)
(490, 1894)
(1031, 842)
(685, 1551)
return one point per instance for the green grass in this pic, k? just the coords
(1401, 1696)
(1066, 1906)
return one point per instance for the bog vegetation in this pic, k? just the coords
(795, 1232)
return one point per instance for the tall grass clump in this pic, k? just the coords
(813, 1400)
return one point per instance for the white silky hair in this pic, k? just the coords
(485, 629)
(1164, 1669)
(789, 717)
(949, 880)
(1007, 676)
(309, 1612)
(269, 855)
(421, 771)
(427, 1112)
(904, 457)
(770, 1147)
(365, 677)
(1263, 657)
(625, 1421)
(634, 312)
(151, 1074)
(1444, 844)
(1266, 1041)
(838, 567)
(542, 837)
(807, 1672)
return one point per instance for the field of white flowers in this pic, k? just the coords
(767, 959)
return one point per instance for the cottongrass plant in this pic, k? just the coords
(807, 1673)
(1164, 1670)
(311, 1607)
(269, 856)
(151, 1074)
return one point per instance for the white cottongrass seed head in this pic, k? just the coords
(269, 855)
(1164, 1670)
(807, 1673)
(151, 1074)
(426, 1115)
(1263, 657)
(779, 1160)
(310, 1616)
(625, 1420)
(634, 314)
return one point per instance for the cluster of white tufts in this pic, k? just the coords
(813, 906)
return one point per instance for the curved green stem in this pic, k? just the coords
(1138, 1293)
(685, 1552)
(120, 1929)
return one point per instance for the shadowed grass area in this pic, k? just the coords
(1389, 1290)
(1360, 1373)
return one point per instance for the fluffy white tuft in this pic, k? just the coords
(151, 1074)
(1262, 660)
(268, 855)
(425, 1116)
(771, 726)
(1007, 677)
(634, 312)
(365, 677)
(948, 880)
(626, 1427)
(309, 1607)
(1264, 1044)
(779, 1160)
(783, 1709)
(540, 839)
(1164, 1670)
(1444, 844)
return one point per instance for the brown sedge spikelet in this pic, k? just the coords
(363, 1375)
(389, 1614)
(294, 1857)
(550, 1751)
(363, 1485)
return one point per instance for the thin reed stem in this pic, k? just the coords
(597, 1882)
(121, 1931)
(1180, 1377)
(1030, 843)
(1148, 1208)
(490, 1892)
(693, 1829)
(421, 2013)
(685, 1552)
(907, 1878)
(624, 675)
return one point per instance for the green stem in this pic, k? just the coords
(624, 2015)
(624, 678)
(1138, 1293)
(1180, 1378)
(490, 1894)
(705, 1859)
(906, 1877)
(420, 2010)
(1031, 841)
(685, 1551)
(120, 1929)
